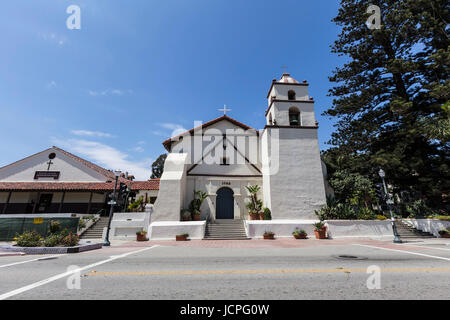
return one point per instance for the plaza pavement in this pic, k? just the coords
(247, 269)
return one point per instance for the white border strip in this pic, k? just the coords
(403, 251)
(68, 273)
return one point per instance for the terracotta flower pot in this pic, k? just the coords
(300, 236)
(321, 234)
(269, 237)
(261, 216)
(253, 216)
(141, 237)
(181, 238)
(186, 218)
(446, 235)
(196, 217)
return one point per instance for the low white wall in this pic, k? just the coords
(359, 228)
(124, 225)
(432, 226)
(281, 228)
(167, 230)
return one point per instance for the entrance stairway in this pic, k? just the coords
(96, 231)
(405, 231)
(225, 230)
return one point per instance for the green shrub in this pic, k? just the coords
(29, 239)
(267, 214)
(319, 225)
(52, 240)
(381, 217)
(81, 224)
(418, 209)
(70, 240)
(366, 214)
(54, 227)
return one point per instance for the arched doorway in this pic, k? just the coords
(225, 204)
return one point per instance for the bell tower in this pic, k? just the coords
(293, 181)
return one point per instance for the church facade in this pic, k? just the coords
(224, 156)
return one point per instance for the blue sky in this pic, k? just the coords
(138, 70)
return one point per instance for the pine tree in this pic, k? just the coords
(391, 99)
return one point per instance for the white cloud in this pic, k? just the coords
(107, 92)
(107, 157)
(52, 84)
(91, 133)
(176, 128)
(138, 149)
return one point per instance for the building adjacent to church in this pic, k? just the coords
(224, 156)
(56, 181)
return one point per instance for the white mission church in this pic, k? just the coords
(223, 156)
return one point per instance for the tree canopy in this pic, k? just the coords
(158, 166)
(391, 97)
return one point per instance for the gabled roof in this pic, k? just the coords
(167, 142)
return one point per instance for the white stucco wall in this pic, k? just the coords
(432, 226)
(167, 230)
(70, 170)
(359, 228)
(297, 187)
(125, 225)
(281, 228)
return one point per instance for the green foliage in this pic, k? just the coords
(183, 234)
(196, 203)
(267, 214)
(54, 227)
(319, 225)
(70, 240)
(269, 233)
(158, 166)
(137, 205)
(29, 239)
(418, 209)
(380, 217)
(366, 214)
(52, 240)
(352, 188)
(342, 211)
(255, 205)
(299, 232)
(141, 233)
(391, 96)
(81, 224)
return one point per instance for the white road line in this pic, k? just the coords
(417, 246)
(403, 251)
(68, 273)
(26, 261)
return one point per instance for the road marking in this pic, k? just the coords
(404, 251)
(26, 261)
(68, 273)
(418, 246)
(275, 271)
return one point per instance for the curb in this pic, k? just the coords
(52, 250)
(11, 254)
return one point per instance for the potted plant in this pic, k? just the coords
(185, 215)
(255, 205)
(320, 230)
(182, 237)
(300, 234)
(444, 233)
(196, 204)
(141, 236)
(269, 235)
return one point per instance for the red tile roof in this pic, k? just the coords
(167, 142)
(152, 184)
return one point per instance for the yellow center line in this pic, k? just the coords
(262, 271)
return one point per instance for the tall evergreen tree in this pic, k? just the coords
(391, 99)
(158, 166)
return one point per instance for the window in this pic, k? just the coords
(294, 116)
(291, 95)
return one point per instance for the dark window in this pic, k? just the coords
(294, 116)
(224, 162)
(291, 95)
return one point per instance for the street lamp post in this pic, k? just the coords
(382, 174)
(111, 210)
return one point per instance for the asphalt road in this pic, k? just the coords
(164, 272)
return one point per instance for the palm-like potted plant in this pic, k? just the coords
(182, 237)
(196, 204)
(300, 234)
(320, 230)
(141, 236)
(255, 205)
(269, 235)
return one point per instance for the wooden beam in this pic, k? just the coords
(90, 203)
(7, 202)
(62, 202)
